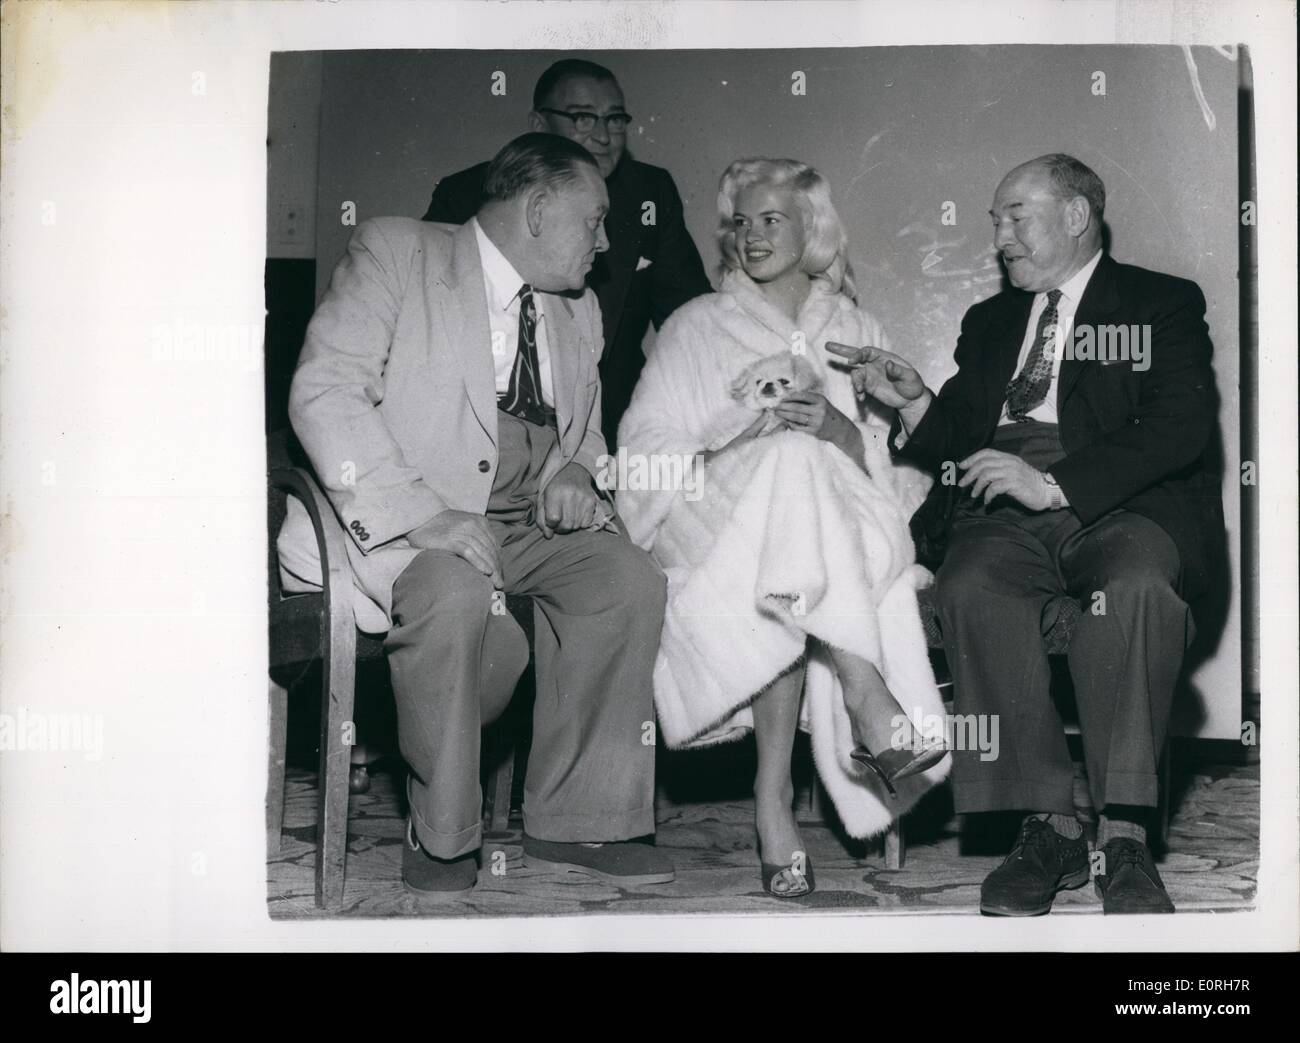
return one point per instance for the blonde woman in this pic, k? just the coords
(790, 567)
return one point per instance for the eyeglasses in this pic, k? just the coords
(585, 122)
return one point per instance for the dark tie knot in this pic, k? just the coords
(527, 307)
(1053, 296)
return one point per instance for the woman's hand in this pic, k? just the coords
(809, 412)
(753, 431)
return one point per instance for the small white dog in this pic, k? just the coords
(764, 384)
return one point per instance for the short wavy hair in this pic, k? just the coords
(1070, 177)
(826, 245)
(534, 159)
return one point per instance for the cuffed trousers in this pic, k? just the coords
(455, 655)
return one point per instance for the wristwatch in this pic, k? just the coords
(1057, 502)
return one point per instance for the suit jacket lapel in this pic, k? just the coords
(1008, 338)
(1100, 299)
(465, 318)
(567, 350)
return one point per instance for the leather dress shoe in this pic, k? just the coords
(423, 874)
(1130, 883)
(618, 862)
(1042, 863)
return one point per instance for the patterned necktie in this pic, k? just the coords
(523, 398)
(1029, 389)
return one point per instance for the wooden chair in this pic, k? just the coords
(321, 626)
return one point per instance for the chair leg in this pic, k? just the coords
(1083, 808)
(338, 691)
(499, 793)
(1165, 773)
(895, 848)
(816, 796)
(277, 740)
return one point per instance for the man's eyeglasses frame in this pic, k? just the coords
(591, 119)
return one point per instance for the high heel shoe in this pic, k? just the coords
(893, 765)
(806, 883)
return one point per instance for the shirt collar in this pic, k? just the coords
(502, 281)
(1073, 287)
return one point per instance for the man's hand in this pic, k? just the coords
(568, 503)
(884, 376)
(990, 473)
(464, 534)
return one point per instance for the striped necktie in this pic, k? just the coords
(1029, 389)
(523, 398)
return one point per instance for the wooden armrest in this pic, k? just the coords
(340, 639)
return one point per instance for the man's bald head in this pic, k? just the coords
(1071, 177)
(1047, 216)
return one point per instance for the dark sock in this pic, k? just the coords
(1065, 825)
(1122, 821)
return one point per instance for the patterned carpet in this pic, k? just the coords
(1210, 863)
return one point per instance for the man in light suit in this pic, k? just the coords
(448, 397)
(1086, 472)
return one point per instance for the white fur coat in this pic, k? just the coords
(783, 538)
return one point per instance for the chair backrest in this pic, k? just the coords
(296, 623)
(277, 506)
(304, 627)
(284, 458)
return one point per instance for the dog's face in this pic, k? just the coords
(763, 384)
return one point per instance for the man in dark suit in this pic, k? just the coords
(652, 266)
(1084, 472)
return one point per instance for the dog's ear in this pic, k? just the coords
(740, 386)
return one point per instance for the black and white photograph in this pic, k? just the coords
(720, 477)
(671, 624)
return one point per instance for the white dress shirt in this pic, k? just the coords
(501, 284)
(1071, 293)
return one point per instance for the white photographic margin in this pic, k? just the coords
(135, 592)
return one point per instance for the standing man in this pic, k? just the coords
(652, 266)
(447, 397)
(1084, 476)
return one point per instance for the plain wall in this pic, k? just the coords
(293, 150)
(899, 133)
